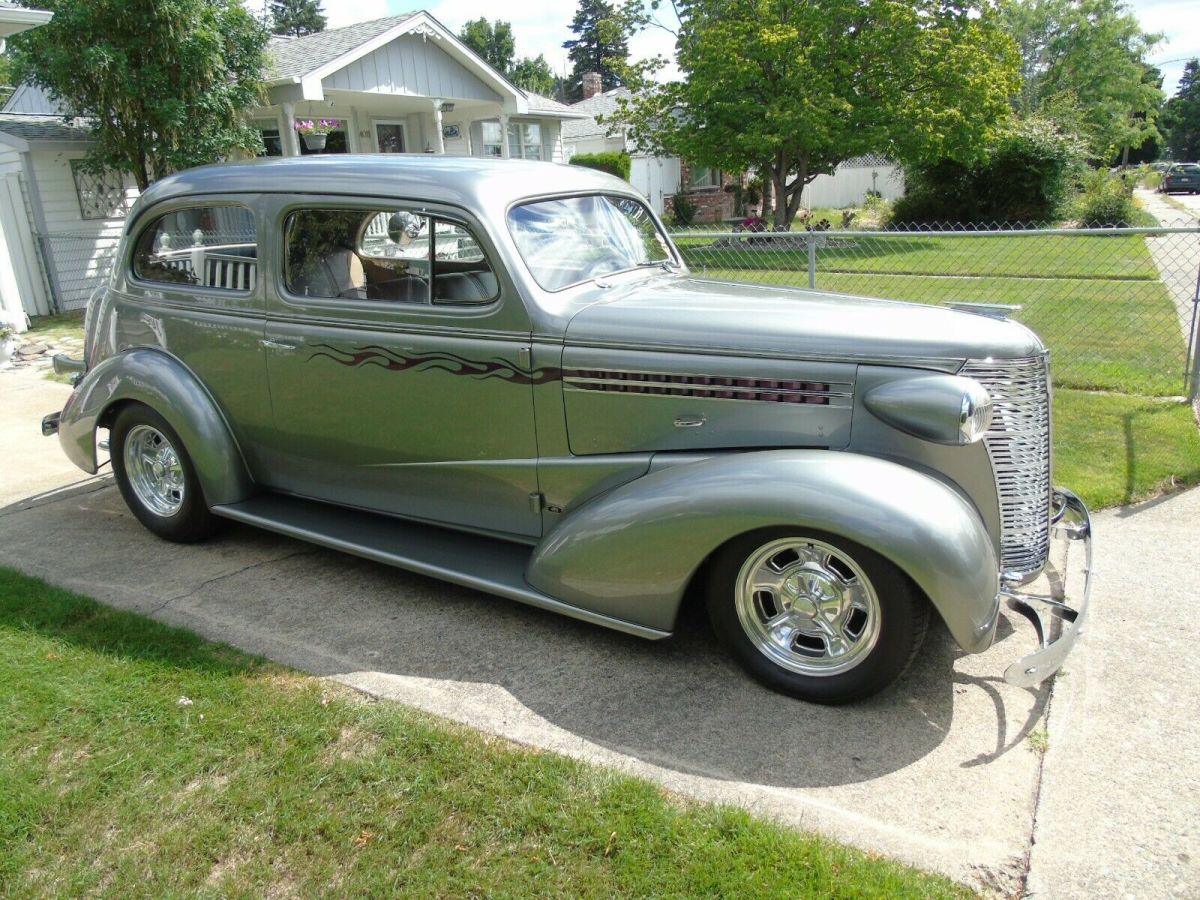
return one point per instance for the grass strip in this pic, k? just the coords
(1113, 449)
(1115, 257)
(266, 782)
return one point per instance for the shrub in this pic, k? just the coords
(683, 210)
(613, 163)
(1107, 201)
(1026, 175)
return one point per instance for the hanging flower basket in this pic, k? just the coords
(316, 131)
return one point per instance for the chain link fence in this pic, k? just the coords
(75, 264)
(1117, 307)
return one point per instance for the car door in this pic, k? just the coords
(192, 288)
(397, 359)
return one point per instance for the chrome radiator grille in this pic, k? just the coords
(1019, 446)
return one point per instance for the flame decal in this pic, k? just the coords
(445, 362)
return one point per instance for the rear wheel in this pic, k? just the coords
(156, 476)
(815, 615)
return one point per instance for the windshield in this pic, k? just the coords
(575, 239)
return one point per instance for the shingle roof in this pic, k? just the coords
(600, 105)
(550, 106)
(296, 57)
(44, 128)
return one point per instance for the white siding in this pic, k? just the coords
(31, 101)
(81, 249)
(412, 66)
(598, 144)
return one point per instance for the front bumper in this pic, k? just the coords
(1059, 619)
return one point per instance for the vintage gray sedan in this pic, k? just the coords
(501, 374)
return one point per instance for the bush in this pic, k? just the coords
(1026, 175)
(613, 163)
(683, 211)
(1107, 202)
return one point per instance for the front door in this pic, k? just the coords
(391, 136)
(396, 361)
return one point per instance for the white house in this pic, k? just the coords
(657, 177)
(661, 177)
(403, 84)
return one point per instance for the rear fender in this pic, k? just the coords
(631, 552)
(168, 387)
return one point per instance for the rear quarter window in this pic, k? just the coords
(212, 247)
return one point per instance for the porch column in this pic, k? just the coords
(290, 140)
(505, 153)
(439, 143)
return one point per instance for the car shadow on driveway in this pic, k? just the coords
(678, 703)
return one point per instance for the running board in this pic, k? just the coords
(482, 563)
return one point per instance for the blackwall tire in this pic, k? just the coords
(157, 478)
(815, 615)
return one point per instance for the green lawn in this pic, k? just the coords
(1096, 301)
(266, 782)
(1086, 256)
(1112, 449)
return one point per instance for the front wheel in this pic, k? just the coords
(815, 615)
(156, 477)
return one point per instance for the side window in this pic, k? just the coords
(205, 246)
(393, 256)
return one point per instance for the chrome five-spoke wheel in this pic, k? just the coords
(814, 614)
(154, 470)
(156, 476)
(807, 606)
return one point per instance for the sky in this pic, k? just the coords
(541, 27)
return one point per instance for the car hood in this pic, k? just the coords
(675, 312)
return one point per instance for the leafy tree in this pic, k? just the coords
(1093, 52)
(1181, 117)
(602, 44)
(295, 17)
(791, 88)
(534, 74)
(494, 43)
(163, 81)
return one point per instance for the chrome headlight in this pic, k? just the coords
(975, 413)
(946, 409)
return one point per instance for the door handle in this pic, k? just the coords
(278, 345)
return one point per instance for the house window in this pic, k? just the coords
(524, 140)
(492, 145)
(101, 196)
(705, 177)
(272, 141)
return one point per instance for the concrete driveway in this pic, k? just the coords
(938, 771)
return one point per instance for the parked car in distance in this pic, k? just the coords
(1181, 178)
(502, 374)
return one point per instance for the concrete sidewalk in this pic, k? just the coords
(937, 772)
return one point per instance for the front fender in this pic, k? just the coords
(631, 552)
(168, 387)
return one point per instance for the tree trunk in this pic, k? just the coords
(780, 219)
(793, 204)
(140, 174)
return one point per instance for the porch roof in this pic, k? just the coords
(299, 66)
(24, 132)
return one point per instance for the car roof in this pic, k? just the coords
(476, 184)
